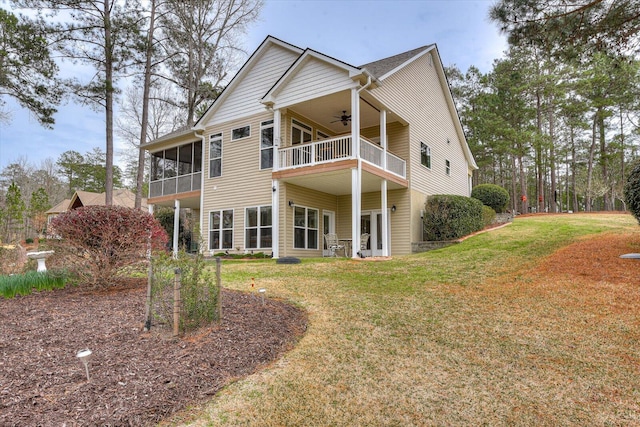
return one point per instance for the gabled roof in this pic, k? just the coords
(255, 56)
(178, 133)
(121, 197)
(354, 72)
(383, 67)
(63, 206)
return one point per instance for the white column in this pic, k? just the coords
(356, 174)
(277, 120)
(275, 218)
(383, 137)
(355, 213)
(385, 219)
(176, 226)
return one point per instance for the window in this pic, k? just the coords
(321, 135)
(425, 155)
(221, 229)
(215, 155)
(258, 227)
(266, 144)
(305, 228)
(447, 167)
(239, 133)
(300, 133)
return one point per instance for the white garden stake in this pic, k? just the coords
(262, 291)
(84, 356)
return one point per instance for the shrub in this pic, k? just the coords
(632, 190)
(99, 242)
(199, 293)
(28, 240)
(449, 217)
(488, 215)
(491, 195)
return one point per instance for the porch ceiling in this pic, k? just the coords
(327, 109)
(192, 200)
(339, 182)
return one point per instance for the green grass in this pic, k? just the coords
(24, 284)
(458, 336)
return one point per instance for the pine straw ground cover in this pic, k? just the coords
(136, 378)
(532, 324)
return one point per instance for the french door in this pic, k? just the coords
(371, 223)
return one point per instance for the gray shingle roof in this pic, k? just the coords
(383, 66)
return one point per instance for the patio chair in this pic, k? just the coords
(333, 245)
(364, 239)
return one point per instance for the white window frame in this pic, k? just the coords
(220, 229)
(233, 136)
(264, 126)
(425, 147)
(216, 137)
(321, 135)
(303, 128)
(259, 227)
(307, 229)
(447, 167)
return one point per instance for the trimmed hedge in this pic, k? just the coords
(491, 195)
(632, 190)
(488, 215)
(448, 217)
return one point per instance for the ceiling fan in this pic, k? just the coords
(344, 118)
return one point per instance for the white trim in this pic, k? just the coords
(211, 137)
(306, 228)
(258, 227)
(242, 137)
(407, 62)
(244, 70)
(233, 216)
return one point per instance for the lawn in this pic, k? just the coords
(535, 323)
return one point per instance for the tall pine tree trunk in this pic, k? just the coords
(108, 43)
(145, 106)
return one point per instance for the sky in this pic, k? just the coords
(353, 31)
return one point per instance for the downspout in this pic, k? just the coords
(201, 136)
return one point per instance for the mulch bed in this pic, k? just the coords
(136, 378)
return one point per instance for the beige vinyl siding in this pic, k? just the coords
(244, 100)
(242, 183)
(423, 104)
(314, 79)
(309, 199)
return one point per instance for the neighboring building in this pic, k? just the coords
(300, 144)
(121, 197)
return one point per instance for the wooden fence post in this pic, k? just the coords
(219, 286)
(176, 303)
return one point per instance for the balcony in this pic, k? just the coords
(340, 148)
(175, 185)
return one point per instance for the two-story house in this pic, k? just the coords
(301, 144)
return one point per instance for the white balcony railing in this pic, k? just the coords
(334, 149)
(178, 184)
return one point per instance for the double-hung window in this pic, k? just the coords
(215, 155)
(258, 227)
(425, 155)
(305, 228)
(447, 167)
(266, 144)
(221, 229)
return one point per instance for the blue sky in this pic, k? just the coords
(356, 32)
